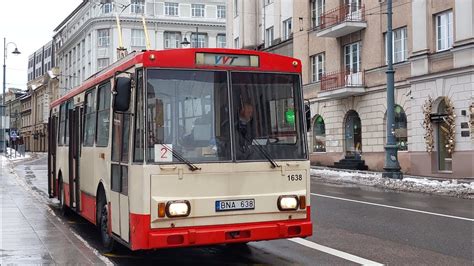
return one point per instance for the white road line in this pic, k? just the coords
(394, 207)
(334, 252)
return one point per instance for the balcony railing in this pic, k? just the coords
(344, 13)
(342, 79)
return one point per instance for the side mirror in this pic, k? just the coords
(123, 91)
(307, 112)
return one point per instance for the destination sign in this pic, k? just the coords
(227, 60)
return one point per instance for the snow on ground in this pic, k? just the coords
(441, 187)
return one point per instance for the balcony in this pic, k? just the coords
(342, 84)
(341, 21)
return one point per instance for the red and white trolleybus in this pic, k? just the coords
(185, 147)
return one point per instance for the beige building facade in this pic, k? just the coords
(342, 45)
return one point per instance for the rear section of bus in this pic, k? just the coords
(223, 149)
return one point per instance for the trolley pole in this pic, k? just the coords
(391, 167)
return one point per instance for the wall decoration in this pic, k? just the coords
(429, 138)
(449, 119)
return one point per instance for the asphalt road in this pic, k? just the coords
(352, 225)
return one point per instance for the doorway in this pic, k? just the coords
(352, 134)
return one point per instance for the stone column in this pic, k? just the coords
(463, 50)
(419, 56)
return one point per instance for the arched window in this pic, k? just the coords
(401, 128)
(319, 135)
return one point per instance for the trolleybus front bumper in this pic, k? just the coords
(142, 237)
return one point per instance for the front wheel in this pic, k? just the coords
(107, 240)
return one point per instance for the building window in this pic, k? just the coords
(444, 30)
(352, 57)
(221, 12)
(236, 8)
(319, 135)
(102, 63)
(200, 41)
(197, 10)
(171, 9)
(103, 114)
(103, 38)
(236, 43)
(106, 7)
(287, 29)
(317, 67)
(401, 135)
(267, 2)
(138, 38)
(317, 10)
(221, 41)
(172, 40)
(269, 37)
(399, 45)
(137, 6)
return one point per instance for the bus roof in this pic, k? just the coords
(193, 58)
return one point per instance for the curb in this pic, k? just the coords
(431, 178)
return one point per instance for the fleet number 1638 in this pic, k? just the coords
(295, 177)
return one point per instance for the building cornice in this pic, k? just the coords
(445, 74)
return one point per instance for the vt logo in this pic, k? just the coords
(224, 60)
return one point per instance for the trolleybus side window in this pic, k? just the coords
(103, 115)
(139, 148)
(90, 118)
(69, 105)
(62, 123)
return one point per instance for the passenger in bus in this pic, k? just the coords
(245, 131)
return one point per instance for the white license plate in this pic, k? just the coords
(235, 205)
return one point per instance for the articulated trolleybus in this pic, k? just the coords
(185, 147)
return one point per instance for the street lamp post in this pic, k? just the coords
(391, 167)
(186, 42)
(5, 46)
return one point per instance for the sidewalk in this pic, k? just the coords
(455, 188)
(30, 231)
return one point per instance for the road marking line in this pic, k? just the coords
(334, 252)
(394, 207)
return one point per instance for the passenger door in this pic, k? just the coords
(75, 129)
(119, 174)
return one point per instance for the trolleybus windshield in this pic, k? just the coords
(188, 111)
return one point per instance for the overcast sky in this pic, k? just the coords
(29, 24)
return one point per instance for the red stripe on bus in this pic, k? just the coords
(142, 237)
(88, 207)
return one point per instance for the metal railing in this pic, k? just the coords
(343, 78)
(343, 13)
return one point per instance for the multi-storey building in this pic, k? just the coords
(342, 45)
(87, 40)
(261, 25)
(41, 91)
(27, 125)
(13, 105)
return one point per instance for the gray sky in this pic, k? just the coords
(29, 24)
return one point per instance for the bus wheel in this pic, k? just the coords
(107, 240)
(62, 200)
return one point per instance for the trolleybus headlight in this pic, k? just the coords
(178, 208)
(287, 203)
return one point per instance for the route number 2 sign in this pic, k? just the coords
(163, 152)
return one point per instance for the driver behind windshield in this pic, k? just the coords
(245, 131)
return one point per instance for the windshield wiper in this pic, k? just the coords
(264, 152)
(180, 157)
